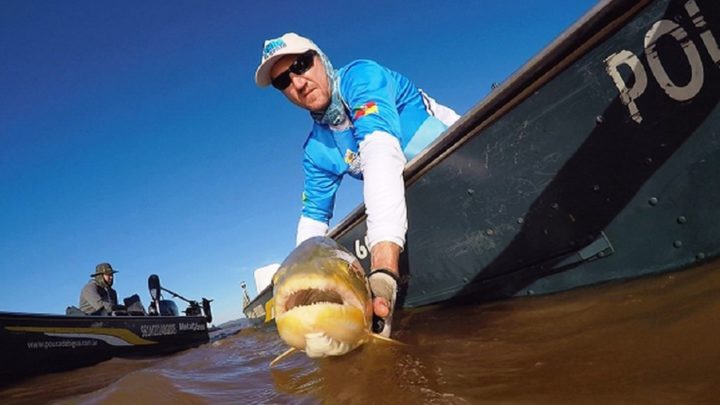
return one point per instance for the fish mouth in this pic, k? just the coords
(301, 292)
(312, 296)
(322, 319)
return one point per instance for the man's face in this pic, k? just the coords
(108, 279)
(309, 90)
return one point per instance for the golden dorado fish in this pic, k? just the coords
(322, 300)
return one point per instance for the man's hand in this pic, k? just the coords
(384, 255)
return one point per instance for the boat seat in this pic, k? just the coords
(134, 306)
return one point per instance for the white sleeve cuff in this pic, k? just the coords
(307, 228)
(382, 163)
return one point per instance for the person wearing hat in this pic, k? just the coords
(98, 296)
(368, 121)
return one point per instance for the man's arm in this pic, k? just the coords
(369, 90)
(384, 194)
(307, 228)
(385, 255)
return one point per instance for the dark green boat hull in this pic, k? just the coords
(597, 161)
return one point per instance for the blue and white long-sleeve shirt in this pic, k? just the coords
(389, 122)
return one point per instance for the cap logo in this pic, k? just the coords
(273, 46)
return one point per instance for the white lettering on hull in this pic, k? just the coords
(628, 95)
(631, 92)
(158, 330)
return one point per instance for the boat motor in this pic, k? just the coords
(168, 307)
(155, 295)
(159, 306)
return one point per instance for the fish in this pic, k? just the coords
(322, 301)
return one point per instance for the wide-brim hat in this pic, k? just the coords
(103, 268)
(274, 49)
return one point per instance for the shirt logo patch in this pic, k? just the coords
(365, 109)
(353, 161)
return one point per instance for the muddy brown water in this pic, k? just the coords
(648, 341)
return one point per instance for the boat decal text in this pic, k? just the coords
(158, 330)
(361, 250)
(191, 326)
(49, 344)
(668, 30)
(113, 336)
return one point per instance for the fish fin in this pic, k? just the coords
(385, 339)
(287, 353)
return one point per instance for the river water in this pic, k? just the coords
(649, 341)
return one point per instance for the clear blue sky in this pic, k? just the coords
(132, 131)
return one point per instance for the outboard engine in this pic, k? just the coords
(168, 308)
(163, 307)
(155, 294)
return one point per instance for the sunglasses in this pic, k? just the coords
(302, 64)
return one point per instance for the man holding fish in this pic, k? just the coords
(368, 121)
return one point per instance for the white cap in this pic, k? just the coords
(274, 49)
